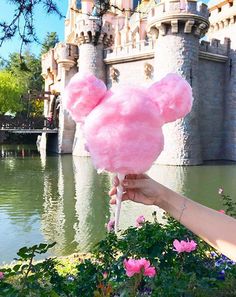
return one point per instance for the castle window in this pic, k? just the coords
(219, 9)
(231, 4)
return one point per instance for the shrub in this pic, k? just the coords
(152, 259)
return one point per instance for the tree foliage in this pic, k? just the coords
(27, 68)
(50, 41)
(11, 91)
(22, 21)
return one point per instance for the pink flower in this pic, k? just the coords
(142, 265)
(184, 246)
(105, 275)
(110, 226)
(221, 211)
(140, 221)
(1, 275)
(220, 191)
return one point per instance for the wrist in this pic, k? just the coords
(161, 197)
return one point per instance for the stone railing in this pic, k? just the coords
(214, 46)
(222, 15)
(139, 48)
(62, 53)
(92, 30)
(48, 63)
(222, 22)
(174, 14)
(223, 12)
(20, 122)
(66, 52)
(174, 6)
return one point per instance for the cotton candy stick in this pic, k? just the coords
(118, 200)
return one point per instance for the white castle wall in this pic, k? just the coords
(172, 45)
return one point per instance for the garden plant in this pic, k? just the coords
(150, 259)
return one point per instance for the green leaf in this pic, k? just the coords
(16, 267)
(42, 246)
(22, 252)
(53, 294)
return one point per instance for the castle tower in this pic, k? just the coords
(58, 66)
(223, 25)
(177, 27)
(94, 34)
(66, 56)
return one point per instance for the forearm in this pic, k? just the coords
(215, 228)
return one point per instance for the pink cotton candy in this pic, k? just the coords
(173, 95)
(82, 94)
(124, 133)
(123, 127)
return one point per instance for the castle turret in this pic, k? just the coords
(177, 27)
(93, 35)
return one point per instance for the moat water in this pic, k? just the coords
(63, 199)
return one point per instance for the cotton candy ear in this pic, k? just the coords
(82, 94)
(173, 94)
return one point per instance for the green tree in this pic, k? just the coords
(27, 69)
(11, 92)
(3, 63)
(50, 41)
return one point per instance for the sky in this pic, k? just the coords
(43, 23)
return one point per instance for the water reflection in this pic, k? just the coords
(17, 151)
(63, 199)
(53, 217)
(200, 183)
(92, 208)
(58, 217)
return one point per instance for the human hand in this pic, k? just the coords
(139, 188)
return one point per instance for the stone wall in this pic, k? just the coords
(211, 108)
(132, 72)
(223, 25)
(230, 110)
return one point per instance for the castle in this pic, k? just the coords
(141, 44)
